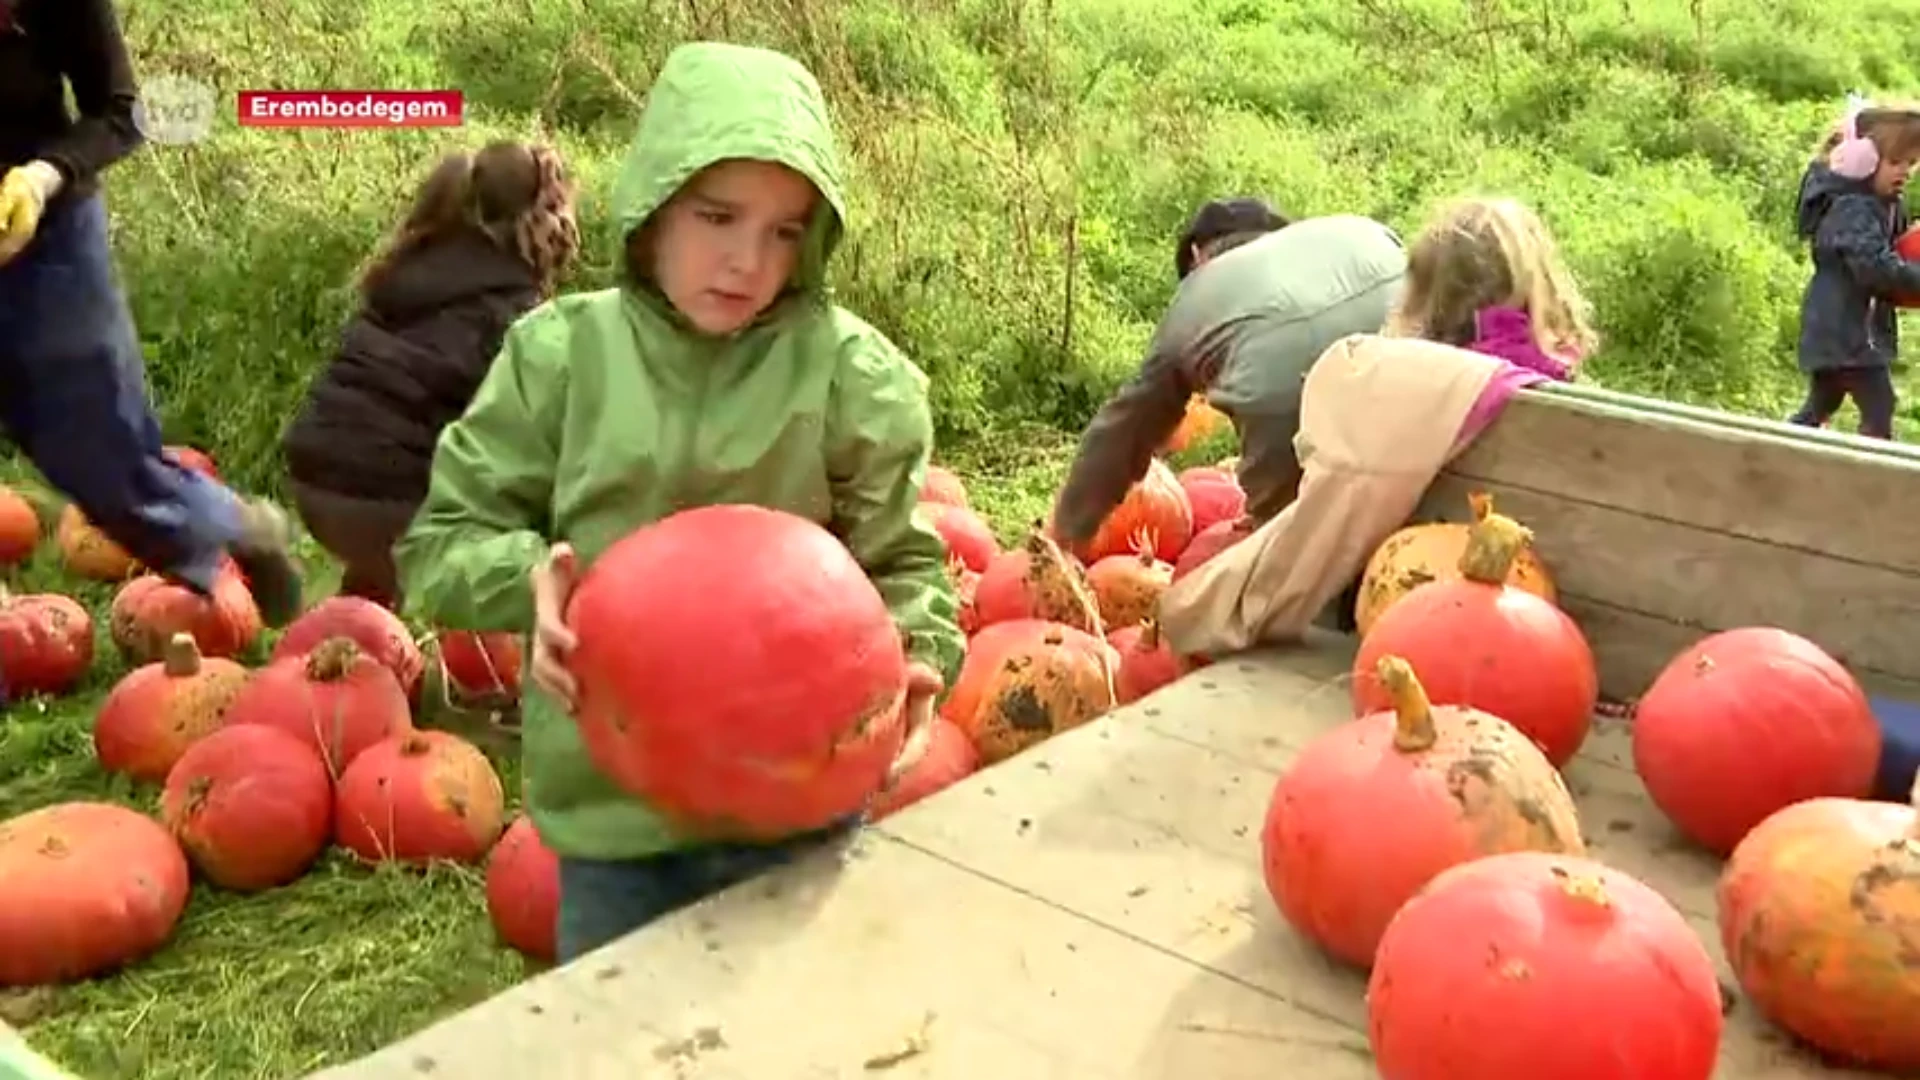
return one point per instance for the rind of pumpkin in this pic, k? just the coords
(87, 552)
(1127, 588)
(149, 610)
(175, 712)
(1052, 585)
(1819, 912)
(1419, 554)
(19, 527)
(1036, 694)
(1508, 796)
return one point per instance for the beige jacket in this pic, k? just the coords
(1380, 417)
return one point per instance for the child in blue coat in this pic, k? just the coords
(1852, 208)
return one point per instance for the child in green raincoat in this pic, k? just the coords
(718, 371)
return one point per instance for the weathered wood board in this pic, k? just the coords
(1092, 908)
(1662, 524)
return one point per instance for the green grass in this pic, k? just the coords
(1019, 169)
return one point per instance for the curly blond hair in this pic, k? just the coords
(1486, 252)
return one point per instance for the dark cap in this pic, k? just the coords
(1224, 217)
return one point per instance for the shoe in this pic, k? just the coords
(264, 553)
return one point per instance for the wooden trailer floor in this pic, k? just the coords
(1093, 908)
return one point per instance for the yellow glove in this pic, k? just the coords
(24, 192)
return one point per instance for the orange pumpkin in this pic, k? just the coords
(1480, 642)
(87, 552)
(1200, 422)
(156, 711)
(1127, 588)
(943, 486)
(1037, 689)
(937, 756)
(19, 528)
(1155, 513)
(1147, 662)
(1036, 580)
(1819, 912)
(1371, 811)
(149, 610)
(1418, 554)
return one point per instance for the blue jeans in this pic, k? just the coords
(602, 901)
(73, 396)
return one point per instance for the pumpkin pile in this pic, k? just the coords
(250, 772)
(1481, 917)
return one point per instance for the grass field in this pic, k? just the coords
(1020, 168)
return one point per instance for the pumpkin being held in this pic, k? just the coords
(738, 671)
(1480, 642)
(1419, 554)
(1211, 541)
(1371, 811)
(1819, 912)
(158, 710)
(1495, 970)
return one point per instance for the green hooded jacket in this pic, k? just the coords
(605, 412)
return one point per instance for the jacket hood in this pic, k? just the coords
(712, 102)
(1818, 188)
(454, 268)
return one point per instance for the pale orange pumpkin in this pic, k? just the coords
(87, 552)
(1154, 514)
(1201, 422)
(1418, 554)
(1817, 909)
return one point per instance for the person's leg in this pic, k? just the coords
(1872, 393)
(361, 534)
(602, 901)
(73, 397)
(1826, 391)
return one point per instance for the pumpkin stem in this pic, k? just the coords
(332, 659)
(1149, 635)
(1584, 887)
(181, 656)
(415, 745)
(1481, 503)
(1143, 542)
(1415, 731)
(1493, 544)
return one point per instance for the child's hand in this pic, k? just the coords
(553, 582)
(923, 686)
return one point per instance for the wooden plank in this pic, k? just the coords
(1701, 580)
(1149, 822)
(823, 969)
(1779, 429)
(1849, 503)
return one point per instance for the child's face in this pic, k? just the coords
(1890, 179)
(726, 244)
